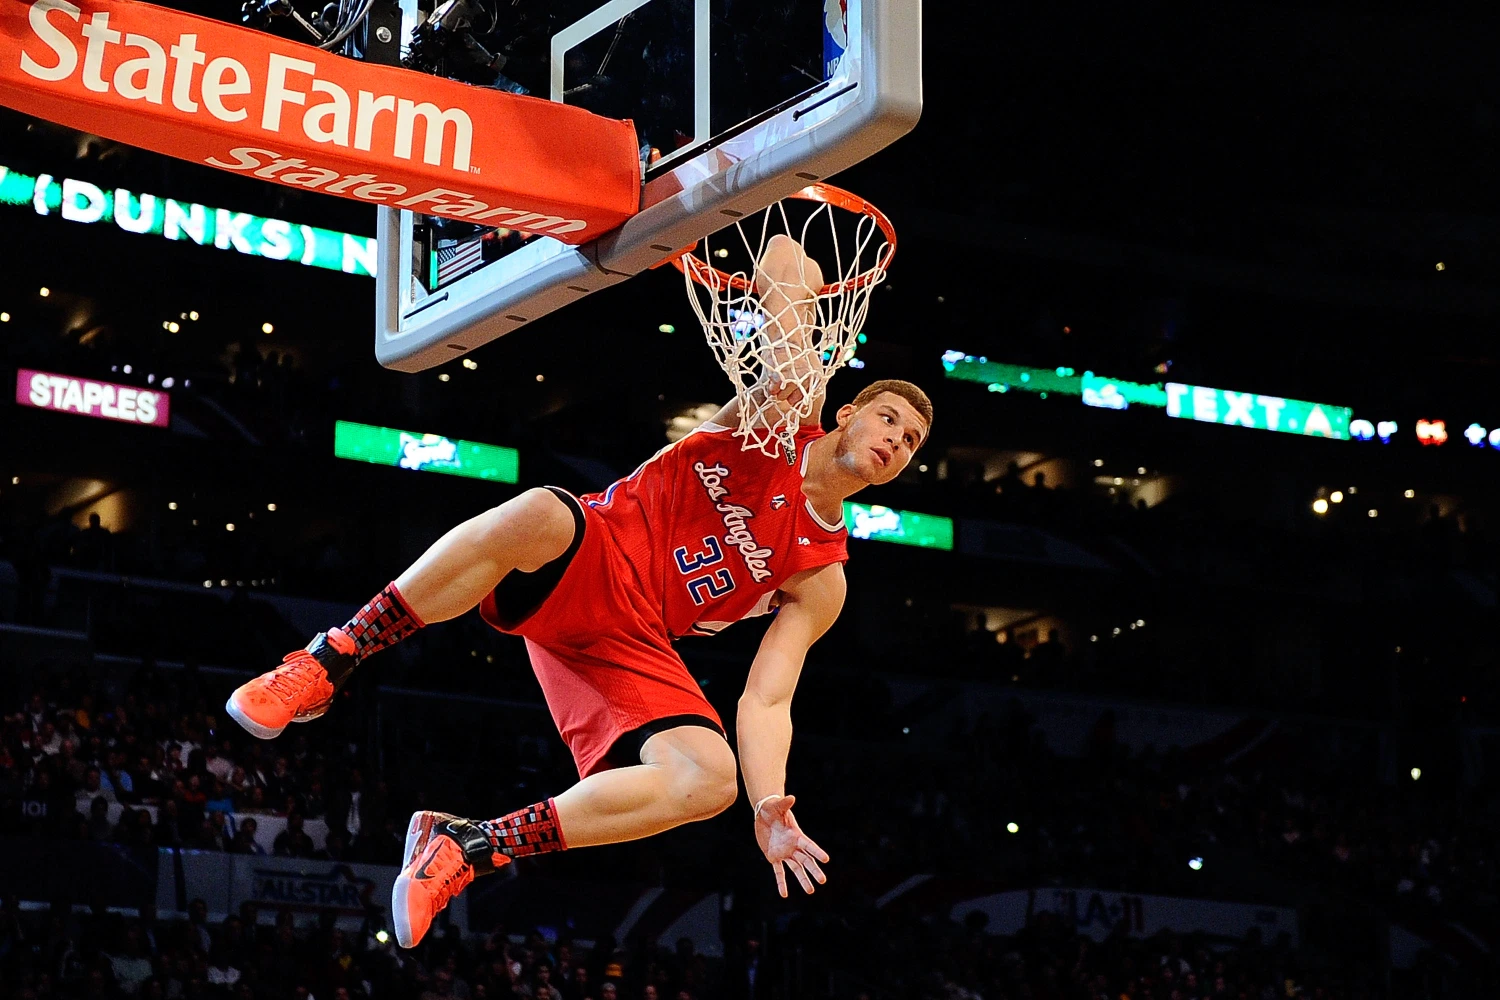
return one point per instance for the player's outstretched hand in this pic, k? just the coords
(783, 843)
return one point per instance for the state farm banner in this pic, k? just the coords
(87, 398)
(251, 103)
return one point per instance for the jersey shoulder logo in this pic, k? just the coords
(778, 501)
(803, 540)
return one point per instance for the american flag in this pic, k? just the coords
(457, 259)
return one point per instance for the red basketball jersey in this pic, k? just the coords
(711, 531)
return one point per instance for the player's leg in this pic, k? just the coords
(459, 569)
(452, 576)
(686, 774)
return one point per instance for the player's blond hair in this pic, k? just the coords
(911, 393)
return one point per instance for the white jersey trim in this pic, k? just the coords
(807, 453)
(824, 524)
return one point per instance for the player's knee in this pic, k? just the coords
(531, 529)
(710, 787)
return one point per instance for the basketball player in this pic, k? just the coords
(700, 536)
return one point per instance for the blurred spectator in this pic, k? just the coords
(91, 548)
(293, 842)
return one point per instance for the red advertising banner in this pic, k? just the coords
(85, 397)
(251, 103)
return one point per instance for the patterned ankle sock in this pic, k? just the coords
(533, 830)
(385, 621)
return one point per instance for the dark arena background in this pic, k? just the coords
(1168, 669)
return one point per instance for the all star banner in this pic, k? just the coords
(254, 104)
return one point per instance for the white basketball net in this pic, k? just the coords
(780, 350)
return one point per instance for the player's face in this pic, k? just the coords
(880, 437)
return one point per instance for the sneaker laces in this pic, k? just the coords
(456, 875)
(294, 676)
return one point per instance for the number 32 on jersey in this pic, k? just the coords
(704, 586)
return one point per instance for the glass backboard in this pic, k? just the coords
(736, 104)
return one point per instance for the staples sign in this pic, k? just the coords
(92, 399)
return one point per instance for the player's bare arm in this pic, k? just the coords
(787, 282)
(810, 603)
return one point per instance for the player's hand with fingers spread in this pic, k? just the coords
(784, 844)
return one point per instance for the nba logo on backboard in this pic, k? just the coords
(835, 35)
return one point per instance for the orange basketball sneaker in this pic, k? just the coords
(299, 690)
(443, 855)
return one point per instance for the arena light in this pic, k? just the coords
(1320, 506)
(4, 317)
(184, 221)
(1336, 496)
(873, 522)
(1416, 774)
(1196, 864)
(1432, 432)
(381, 936)
(425, 452)
(1012, 828)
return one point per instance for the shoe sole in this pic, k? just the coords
(399, 912)
(249, 725)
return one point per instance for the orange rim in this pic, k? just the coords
(829, 195)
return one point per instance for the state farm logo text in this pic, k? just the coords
(279, 95)
(335, 117)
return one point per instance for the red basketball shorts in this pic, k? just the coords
(601, 653)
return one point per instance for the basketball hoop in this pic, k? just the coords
(780, 365)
